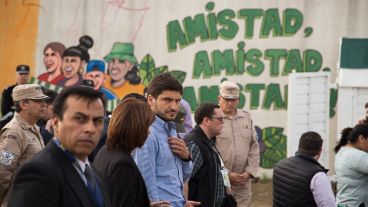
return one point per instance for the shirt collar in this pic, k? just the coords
(168, 126)
(24, 124)
(82, 164)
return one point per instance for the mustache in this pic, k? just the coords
(172, 110)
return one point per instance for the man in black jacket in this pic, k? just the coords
(61, 175)
(300, 180)
(7, 103)
(206, 183)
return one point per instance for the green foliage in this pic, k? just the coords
(275, 143)
(333, 101)
(179, 75)
(148, 70)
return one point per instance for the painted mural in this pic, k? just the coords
(118, 46)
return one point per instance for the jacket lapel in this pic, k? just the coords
(71, 175)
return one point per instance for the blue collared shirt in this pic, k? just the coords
(164, 173)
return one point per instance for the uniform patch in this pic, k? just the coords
(6, 157)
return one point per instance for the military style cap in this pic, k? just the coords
(22, 69)
(229, 90)
(28, 91)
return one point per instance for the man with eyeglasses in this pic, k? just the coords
(20, 139)
(209, 176)
(237, 144)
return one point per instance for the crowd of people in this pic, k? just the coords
(301, 181)
(65, 150)
(146, 153)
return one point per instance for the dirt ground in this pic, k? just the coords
(262, 194)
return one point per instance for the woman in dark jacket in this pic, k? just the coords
(128, 129)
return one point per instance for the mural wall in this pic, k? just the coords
(119, 46)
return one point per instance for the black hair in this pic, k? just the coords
(50, 93)
(351, 135)
(85, 43)
(204, 110)
(17, 107)
(310, 143)
(132, 76)
(79, 91)
(163, 82)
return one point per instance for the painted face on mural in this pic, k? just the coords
(119, 68)
(71, 66)
(97, 77)
(52, 60)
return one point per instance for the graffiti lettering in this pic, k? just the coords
(224, 25)
(234, 63)
(272, 96)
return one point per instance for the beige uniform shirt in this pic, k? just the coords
(238, 144)
(239, 149)
(19, 142)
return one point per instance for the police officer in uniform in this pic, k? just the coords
(7, 103)
(237, 144)
(20, 139)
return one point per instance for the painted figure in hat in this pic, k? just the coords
(52, 59)
(96, 73)
(74, 60)
(123, 71)
(20, 139)
(7, 103)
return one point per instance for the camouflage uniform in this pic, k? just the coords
(19, 142)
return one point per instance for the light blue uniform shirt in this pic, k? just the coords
(164, 173)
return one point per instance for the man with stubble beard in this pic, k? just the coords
(164, 160)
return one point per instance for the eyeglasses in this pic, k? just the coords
(220, 118)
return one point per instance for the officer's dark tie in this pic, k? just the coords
(93, 187)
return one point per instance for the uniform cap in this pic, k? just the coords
(22, 69)
(28, 91)
(229, 90)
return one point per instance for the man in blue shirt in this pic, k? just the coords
(164, 160)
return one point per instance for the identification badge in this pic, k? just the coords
(225, 176)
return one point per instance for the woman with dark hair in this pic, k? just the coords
(128, 129)
(351, 166)
(74, 60)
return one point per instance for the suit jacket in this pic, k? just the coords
(119, 171)
(50, 179)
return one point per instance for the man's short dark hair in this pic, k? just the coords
(366, 105)
(79, 91)
(164, 82)
(310, 143)
(204, 110)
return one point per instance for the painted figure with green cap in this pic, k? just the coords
(123, 71)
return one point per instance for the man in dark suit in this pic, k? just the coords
(61, 174)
